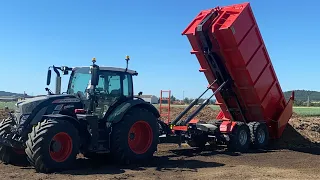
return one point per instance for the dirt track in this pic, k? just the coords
(171, 162)
(295, 156)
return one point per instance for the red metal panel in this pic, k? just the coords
(227, 126)
(236, 37)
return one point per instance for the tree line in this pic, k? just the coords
(186, 100)
(302, 98)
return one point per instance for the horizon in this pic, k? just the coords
(41, 34)
(149, 94)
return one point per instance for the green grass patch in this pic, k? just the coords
(307, 111)
(10, 105)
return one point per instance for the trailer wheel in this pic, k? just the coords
(52, 145)
(9, 155)
(259, 134)
(239, 138)
(135, 137)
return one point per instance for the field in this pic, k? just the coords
(7, 104)
(294, 156)
(301, 111)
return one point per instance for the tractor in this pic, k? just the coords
(99, 114)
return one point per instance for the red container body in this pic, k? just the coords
(236, 38)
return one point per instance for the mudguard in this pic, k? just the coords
(118, 113)
(70, 119)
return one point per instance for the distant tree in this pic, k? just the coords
(201, 100)
(302, 95)
(212, 101)
(186, 100)
(172, 98)
(298, 103)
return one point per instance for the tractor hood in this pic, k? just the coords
(26, 107)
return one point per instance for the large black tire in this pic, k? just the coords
(239, 138)
(9, 155)
(135, 138)
(41, 142)
(259, 135)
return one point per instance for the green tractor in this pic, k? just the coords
(98, 114)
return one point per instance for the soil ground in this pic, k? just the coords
(294, 156)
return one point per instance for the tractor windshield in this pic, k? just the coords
(111, 83)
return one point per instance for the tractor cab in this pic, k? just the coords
(97, 87)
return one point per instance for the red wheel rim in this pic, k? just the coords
(140, 137)
(60, 147)
(18, 151)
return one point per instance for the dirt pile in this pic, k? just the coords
(205, 114)
(3, 114)
(302, 132)
(308, 126)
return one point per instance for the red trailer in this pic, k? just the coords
(233, 57)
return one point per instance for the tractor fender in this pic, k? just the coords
(70, 119)
(117, 114)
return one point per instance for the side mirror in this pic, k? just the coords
(94, 75)
(140, 93)
(49, 77)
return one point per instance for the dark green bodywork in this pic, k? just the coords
(121, 110)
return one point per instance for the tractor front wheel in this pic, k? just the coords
(135, 137)
(9, 155)
(52, 145)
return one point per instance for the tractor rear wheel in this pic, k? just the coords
(259, 134)
(135, 137)
(9, 155)
(239, 138)
(52, 145)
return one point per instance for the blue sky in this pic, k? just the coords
(37, 34)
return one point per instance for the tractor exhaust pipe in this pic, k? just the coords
(58, 85)
(58, 80)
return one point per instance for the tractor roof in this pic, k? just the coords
(105, 68)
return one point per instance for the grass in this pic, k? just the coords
(8, 104)
(307, 111)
